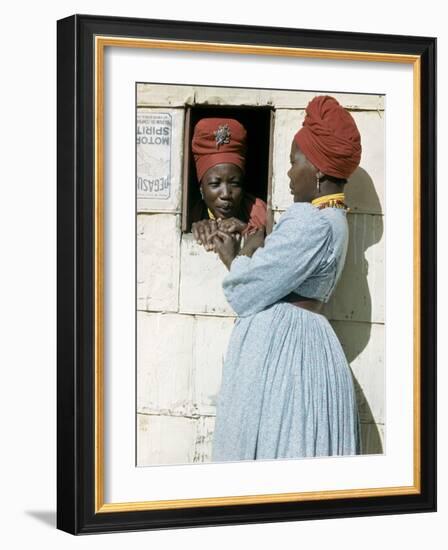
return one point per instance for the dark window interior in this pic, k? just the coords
(257, 121)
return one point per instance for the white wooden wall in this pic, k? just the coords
(183, 320)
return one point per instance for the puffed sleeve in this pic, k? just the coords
(297, 247)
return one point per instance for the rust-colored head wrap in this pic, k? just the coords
(218, 140)
(329, 137)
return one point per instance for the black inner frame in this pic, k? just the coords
(76, 254)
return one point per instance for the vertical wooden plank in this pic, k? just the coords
(186, 164)
(270, 215)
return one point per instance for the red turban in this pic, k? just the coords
(218, 140)
(329, 138)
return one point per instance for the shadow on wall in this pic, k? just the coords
(353, 300)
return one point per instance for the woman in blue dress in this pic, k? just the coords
(287, 390)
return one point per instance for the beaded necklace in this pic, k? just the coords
(336, 200)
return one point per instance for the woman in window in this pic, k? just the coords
(287, 390)
(219, 149)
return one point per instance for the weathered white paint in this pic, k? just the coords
(201, 278)
(160, 95)
(281, 99)
(211, 338)
(362, 343)
(228, 96)
(287, 122)
(165, 439)
(158, 253)
(204, 439)
(165, 347)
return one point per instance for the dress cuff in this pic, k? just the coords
(239, 263)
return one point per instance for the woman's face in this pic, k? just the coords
(222, 187)
(302, 175)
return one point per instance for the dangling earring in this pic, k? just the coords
(318, 183)
(202, 193)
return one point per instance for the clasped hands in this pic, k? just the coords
(204, 231)
(223, 236)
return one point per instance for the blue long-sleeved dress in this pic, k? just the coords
(287, 390)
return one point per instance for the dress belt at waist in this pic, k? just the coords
(311, 304)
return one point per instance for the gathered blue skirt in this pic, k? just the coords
(287, 390)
